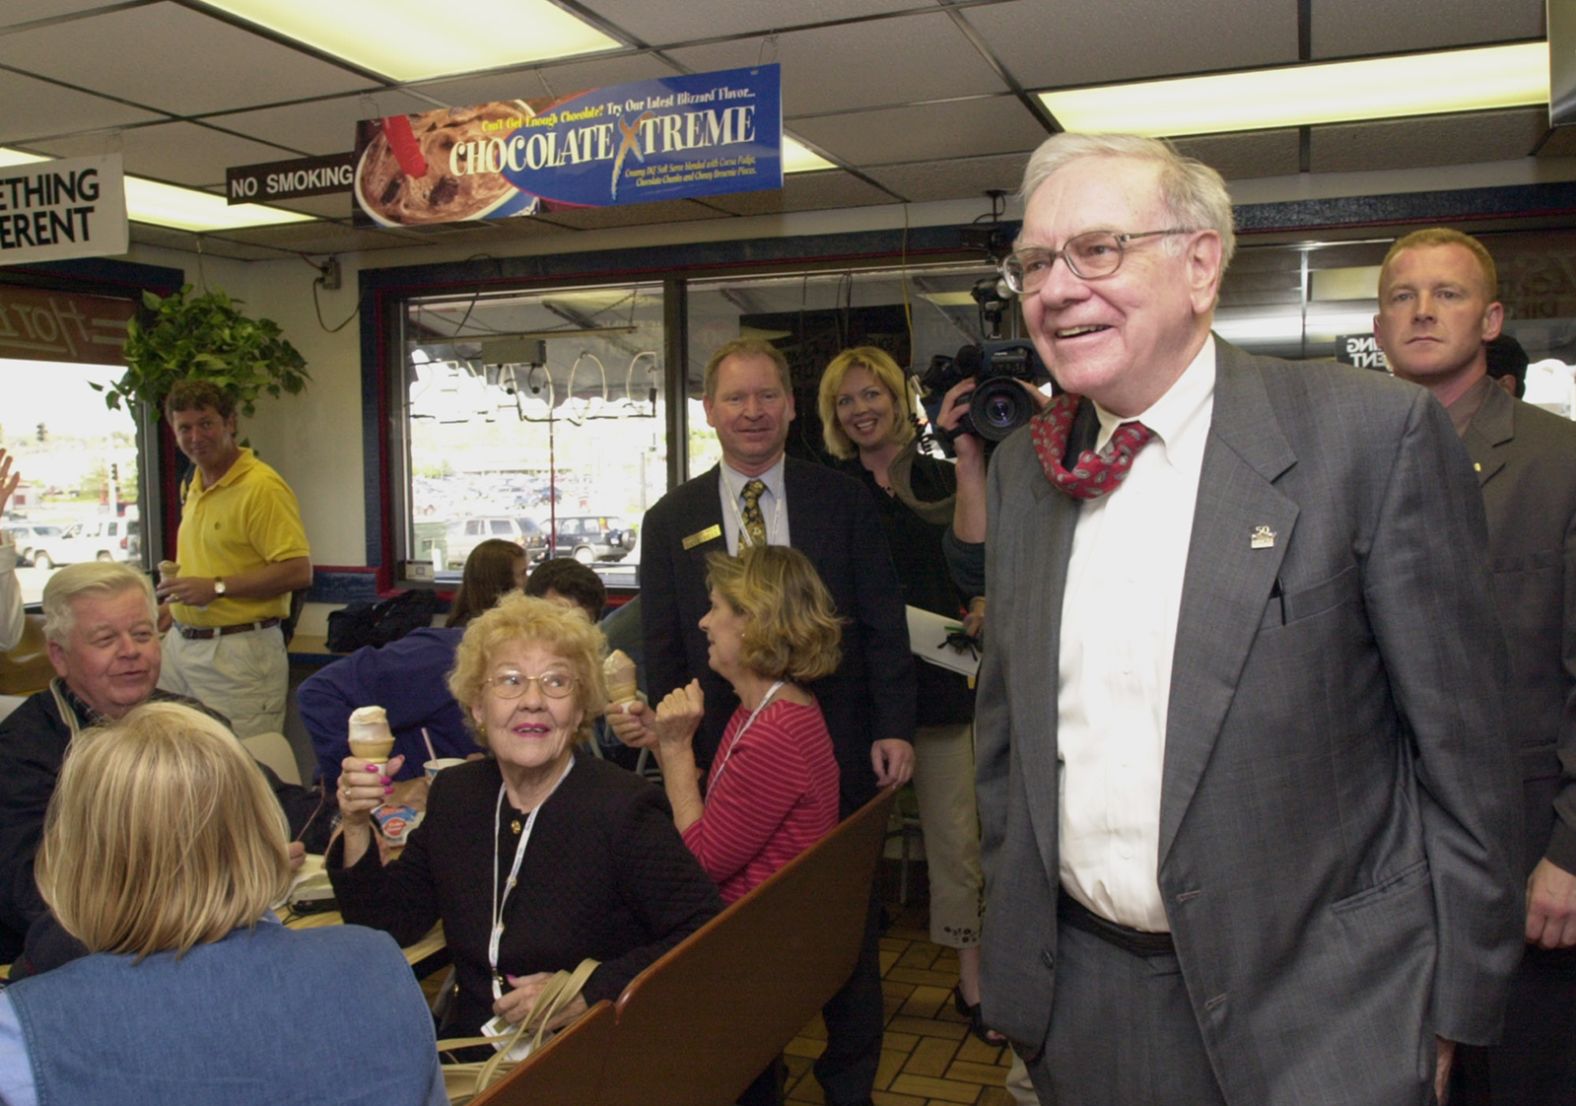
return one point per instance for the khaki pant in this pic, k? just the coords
(245, 677)
(949, 819)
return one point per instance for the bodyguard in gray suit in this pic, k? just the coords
(1437, 310)
(1249, 810)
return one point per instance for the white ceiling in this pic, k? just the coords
(913, 100)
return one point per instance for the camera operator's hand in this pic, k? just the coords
(968, 513)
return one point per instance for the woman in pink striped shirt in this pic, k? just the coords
(772, 790)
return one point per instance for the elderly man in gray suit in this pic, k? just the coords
(1249, 809)
(1437, 310)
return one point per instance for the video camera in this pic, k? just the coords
(998, 405)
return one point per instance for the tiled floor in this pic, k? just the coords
(929, 1057)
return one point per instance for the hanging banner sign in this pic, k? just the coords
(37, 324)
(50, 210)
(667, 139)
(290, 180)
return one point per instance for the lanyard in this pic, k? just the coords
(734, 744)
(774, 527)
(496, 937)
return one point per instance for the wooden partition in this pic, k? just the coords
(568, 1072)
(700, 1023)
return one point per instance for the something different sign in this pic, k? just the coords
(1361, 350)
(673, 138)
(69, 207)
(290, 180)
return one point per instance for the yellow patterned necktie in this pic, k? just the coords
(754, 524)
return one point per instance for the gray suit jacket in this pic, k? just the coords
(1339, 813)
(1526, 462)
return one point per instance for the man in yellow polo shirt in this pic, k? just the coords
(242, 550)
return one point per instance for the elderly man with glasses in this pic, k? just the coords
(1249, 813)
(101, 627)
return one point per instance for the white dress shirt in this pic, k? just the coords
(1119, 629)
(773, 504)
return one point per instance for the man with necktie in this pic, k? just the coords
(757, 494)
(1249, 811)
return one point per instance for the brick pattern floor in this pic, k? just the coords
(929, 1057)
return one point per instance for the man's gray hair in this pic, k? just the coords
(89, 578)
(1194, 193)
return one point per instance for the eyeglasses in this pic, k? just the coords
(1090, 256)
(512, 685)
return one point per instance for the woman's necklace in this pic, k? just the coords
(734, 744)
(495, 939)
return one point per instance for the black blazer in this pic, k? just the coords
(832, 521)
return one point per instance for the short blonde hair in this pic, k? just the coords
(162, 834)
(541, 622)
(1445, 236)
(792, 630)
(746, 347)
(101, 578)
(890, 376)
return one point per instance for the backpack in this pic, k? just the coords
(379, 623)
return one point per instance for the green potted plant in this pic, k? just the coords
(181, 336)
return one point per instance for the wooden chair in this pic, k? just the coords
(696, 1026)
(274, 750)
(568, 1072)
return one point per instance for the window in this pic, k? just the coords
(525, 409)
(78, 499)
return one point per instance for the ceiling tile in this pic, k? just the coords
(1418, 143)
(1244, 156)
(321, 126)
(180, 153)
(1343, 28)
(541, 82)
(52, 110)
(668, 24)
(1561, 143)
(1061, 45)
(316, 238)
(25, 11)
(630, 215)
(964, 128)
(819, 74)
(174, 59)
(804, 192)
(953, 178)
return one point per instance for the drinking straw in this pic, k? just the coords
(432, 754)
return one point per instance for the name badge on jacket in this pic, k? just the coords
(700, 537)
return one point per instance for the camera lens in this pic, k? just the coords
(998, 407)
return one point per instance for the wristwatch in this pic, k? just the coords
(218, 586)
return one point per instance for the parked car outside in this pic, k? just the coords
(589, 538)
(35, 541)
(467, 533)
(99, 539)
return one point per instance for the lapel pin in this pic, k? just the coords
(1477, 466)
(1263, 538)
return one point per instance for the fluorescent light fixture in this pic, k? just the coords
(415, 40)
(1331, 92)
(1288, 324)
(169, 205)
(798, 158)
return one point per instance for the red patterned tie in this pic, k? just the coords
(1093, 474)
